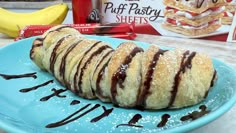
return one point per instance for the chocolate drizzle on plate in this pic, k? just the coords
(120, 75)
(74, 102)
(70, 119)
(35, 87)
(104, 114)
(55, 93)
(164, 120)
(133, 121)
(196, 114)
(26, 75)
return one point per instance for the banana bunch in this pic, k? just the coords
(11, 22)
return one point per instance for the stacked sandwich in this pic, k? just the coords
(229, 12)
(193, 17)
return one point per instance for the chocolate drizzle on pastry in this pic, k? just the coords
(79, 90)
(120, 75)
(95, 53)
(63, 62)
(54, 53)
(38, 43)
(148, 78)
(100, 74)
(27, 75)
(184, 64)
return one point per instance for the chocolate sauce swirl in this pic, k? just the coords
(70, 119)
(95, 53)
(133, 121)
(120, 75)
(55, 93)
(104, 114)
(77, 89)
(148, 78)
(35, 87)
(27, 75)
(184, 64)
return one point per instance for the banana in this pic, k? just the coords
(11, 22)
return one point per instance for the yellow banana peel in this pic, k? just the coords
(11, 22)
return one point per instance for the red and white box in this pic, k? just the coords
(185, 19)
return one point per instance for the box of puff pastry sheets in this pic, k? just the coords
(205, 19)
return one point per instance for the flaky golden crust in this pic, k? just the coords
(191, 32)
(194, 6)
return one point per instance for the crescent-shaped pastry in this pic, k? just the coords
(127, 76)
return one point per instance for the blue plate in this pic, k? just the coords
(24, 112)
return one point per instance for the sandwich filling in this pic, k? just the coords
(188, 26)
(192, 15)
